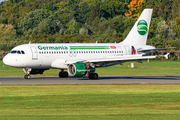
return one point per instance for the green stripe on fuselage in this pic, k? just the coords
(88, 47)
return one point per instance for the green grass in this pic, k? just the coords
(87, 102)
(154, 67)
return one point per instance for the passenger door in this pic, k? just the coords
(34, 53)
(127, 50)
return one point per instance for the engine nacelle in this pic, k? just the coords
(79, 69)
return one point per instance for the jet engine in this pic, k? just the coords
(80, 69)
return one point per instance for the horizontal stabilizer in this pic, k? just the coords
(166, 55)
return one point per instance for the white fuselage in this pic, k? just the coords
(42, 55)
(57, 55)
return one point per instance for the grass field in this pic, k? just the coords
(90, 102)
(94, 102)
(154, 67)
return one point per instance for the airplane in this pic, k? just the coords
(81, 59)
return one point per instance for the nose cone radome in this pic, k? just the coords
(6, 61)
(12, 61)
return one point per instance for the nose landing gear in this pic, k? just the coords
(27, 76)
(27, 71)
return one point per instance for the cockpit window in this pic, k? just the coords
(14, 51)
(22, 52)
(17, 52)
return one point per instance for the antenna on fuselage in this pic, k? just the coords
(96, 42)
(29, 42)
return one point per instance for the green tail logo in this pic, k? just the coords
(142, 27)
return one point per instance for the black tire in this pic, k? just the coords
(26, 77)
(63, 74)
(60, 74)
(95, 76)
(91, 76)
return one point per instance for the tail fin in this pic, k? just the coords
(139, 32)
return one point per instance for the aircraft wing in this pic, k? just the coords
(112, 59)
(132, 58)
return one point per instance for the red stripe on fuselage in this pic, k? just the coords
(113, 47)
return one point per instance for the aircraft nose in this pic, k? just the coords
(13, 61)
(7, 60)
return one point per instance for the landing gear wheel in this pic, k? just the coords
(66, 74)
(93, 76)
(60, 74)
(27, 77)
(90, 76)
(63, 74)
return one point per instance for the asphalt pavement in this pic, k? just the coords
(45, 80)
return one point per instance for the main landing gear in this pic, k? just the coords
(63, 74)
(93, 76)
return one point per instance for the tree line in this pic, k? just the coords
(85, 21)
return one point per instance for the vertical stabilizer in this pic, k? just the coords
(139, 32)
